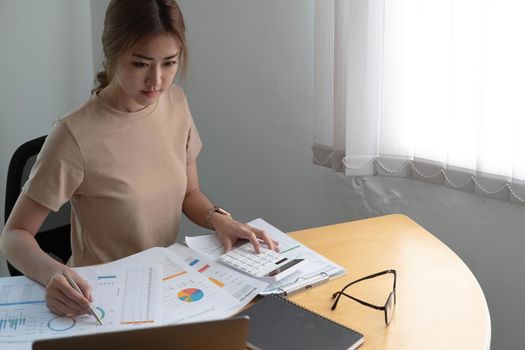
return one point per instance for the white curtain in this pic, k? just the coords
(432, 90)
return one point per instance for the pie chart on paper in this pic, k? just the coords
(190, 295)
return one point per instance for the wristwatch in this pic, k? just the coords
(215, 209)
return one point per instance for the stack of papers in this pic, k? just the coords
(123, 296)
(194, 288)
(315, 268)
(158, 286)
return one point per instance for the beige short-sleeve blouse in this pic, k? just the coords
(124, 173)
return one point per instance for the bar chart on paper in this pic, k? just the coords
(123, 296)
(12, 321)
(32, 321)
(19, 305)
(25, 321)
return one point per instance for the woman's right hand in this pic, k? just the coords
(62, 299)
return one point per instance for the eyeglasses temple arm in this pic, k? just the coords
(372, 276)
(361, 301)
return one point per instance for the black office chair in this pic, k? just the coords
(54, 235)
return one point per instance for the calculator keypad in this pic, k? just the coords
(245, 259)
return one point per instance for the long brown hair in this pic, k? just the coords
(127, 22)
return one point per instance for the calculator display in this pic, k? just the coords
(284, 267)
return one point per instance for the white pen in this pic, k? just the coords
(324, 277)
(75, 286)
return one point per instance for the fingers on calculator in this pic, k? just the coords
(261, 236)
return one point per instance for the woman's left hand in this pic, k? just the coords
(229, 231)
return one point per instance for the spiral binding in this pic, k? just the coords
(314, 313)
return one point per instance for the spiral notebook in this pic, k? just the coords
(278, 323)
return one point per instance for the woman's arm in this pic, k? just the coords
(19, 246)
(196, 207)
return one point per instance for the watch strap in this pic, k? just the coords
(215, 209)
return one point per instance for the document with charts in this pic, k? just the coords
(242, 287)
(316, 264)
(187, 296)
(124, 297)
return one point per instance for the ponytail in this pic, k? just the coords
(103, 81)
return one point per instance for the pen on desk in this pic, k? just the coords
(251, 346)
(324, 277)
(75, 287)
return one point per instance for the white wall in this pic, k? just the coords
(250, 88)
(45, 70)
(98, 10)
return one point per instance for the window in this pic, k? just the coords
(431, 90)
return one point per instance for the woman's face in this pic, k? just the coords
(146, 73)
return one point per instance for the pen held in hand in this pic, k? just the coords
(75, 287)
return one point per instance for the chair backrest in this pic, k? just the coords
(54, 235)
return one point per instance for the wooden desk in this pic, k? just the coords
(440, 304)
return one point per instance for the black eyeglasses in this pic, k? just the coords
(388, 308)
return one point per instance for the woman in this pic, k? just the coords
(125, 159)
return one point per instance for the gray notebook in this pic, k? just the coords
(278, 323)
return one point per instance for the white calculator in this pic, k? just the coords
(267, 264)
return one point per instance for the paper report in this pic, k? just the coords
(242, 287)
(187, 296)
(316, 264)
(123, 296)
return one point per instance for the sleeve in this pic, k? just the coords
(194, 143)
(193, 140)
(58, 170)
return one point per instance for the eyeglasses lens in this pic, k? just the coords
(389, 308)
